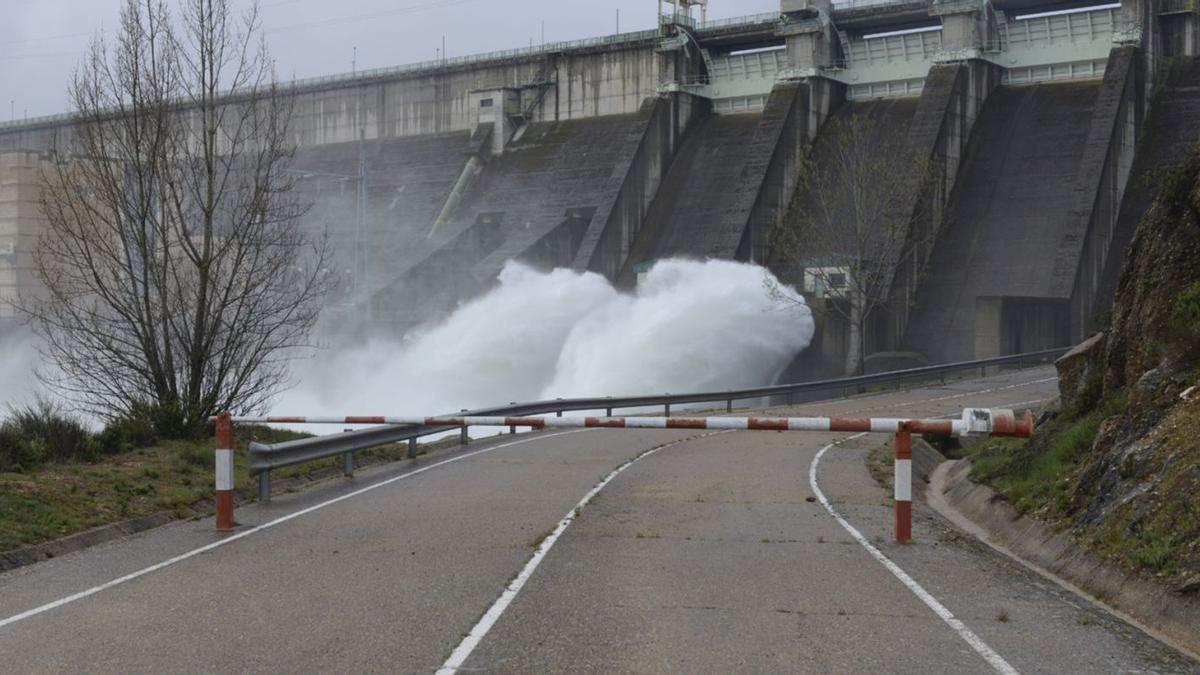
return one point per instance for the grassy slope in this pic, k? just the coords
(57, 500)
(1121, 471)
(1157, 531)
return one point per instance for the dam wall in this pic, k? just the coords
(1171, 126)
(1083, 253)
(620, 221)
(1006, 219)
(536, 202)
(608, 78)
(608, 154)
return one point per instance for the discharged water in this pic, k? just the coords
(689, 326)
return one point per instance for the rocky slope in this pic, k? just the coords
(1135, 494)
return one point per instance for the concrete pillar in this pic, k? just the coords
(988, 327)
(811, 38)
(1138, 26)
(965, 27)
(21, 222)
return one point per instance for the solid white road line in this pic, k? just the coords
(995, 660)
(278, 521)
(463, 651)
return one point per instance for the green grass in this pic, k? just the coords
(1155, 532)
(61, 498)
(1037, 475)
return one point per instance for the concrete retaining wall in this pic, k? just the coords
(1175, 617)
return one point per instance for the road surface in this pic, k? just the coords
(713, 553)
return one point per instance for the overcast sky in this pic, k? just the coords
(41, 41)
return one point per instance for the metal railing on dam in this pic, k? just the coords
(265, 458)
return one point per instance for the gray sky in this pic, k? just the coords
(41, 41)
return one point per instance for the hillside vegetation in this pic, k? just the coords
(1118, 464)
(57, 478)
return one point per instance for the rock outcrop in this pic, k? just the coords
(1136, 495)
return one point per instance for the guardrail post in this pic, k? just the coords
(224, 477)
(903, 486)
(667, 409)
(348, 462)
(512, 428)
(412, 448)
(729, 405)
(608, 410)
(264, 487)
(464, 438)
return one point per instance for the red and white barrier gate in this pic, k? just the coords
(974, 421)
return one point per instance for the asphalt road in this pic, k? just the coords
(704, 556)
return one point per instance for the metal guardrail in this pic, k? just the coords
(265, 458)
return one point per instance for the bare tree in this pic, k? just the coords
(849, 224)
(175, 272)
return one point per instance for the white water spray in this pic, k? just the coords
(690, 326)
(18, 359)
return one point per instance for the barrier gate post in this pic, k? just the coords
(224, 478)
(903, 484)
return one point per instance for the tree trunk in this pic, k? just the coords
(854, 339)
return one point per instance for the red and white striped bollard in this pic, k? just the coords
(224, 478)
(903, 486)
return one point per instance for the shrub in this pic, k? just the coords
(157, 420)
(126, 434)
(43, 431)
(17, 453)
(1185, 320)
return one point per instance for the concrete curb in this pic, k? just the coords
(29, 555)
(984, 513)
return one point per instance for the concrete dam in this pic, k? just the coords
(1045, 124)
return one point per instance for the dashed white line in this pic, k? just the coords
(267, 525)
(995, 660)
(464, 649)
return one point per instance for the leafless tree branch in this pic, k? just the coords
(173, 266)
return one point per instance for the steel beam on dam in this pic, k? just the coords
(607, 154)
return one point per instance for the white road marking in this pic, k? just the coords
(278, 521)
(464, 649)
(950, 397)
(545, 545)
(995, 660)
